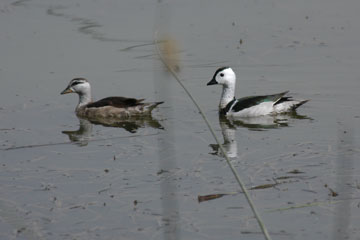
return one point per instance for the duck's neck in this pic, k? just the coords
(84, 99)
(227, 95)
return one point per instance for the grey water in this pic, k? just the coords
(67, 178)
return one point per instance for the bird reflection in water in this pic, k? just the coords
(83, 135)
(229, 125)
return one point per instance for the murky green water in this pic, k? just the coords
(64, 178)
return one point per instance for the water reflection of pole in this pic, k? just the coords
(166, 150)
(167, 163)
(344, 179)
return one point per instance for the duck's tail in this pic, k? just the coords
(287, 104)
(299, 103)
(148, 107)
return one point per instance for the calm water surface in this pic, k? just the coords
(66, 178)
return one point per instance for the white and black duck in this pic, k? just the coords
(252, 106)
(110, 107)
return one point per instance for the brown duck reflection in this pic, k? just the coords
(132, 124)
(228, 129)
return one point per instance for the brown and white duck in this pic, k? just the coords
(110, 107)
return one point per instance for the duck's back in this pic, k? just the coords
(116, 107)
(116, 102)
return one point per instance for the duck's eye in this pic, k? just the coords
(75, 83)
(221, 74)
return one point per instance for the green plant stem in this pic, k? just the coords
(233, 170)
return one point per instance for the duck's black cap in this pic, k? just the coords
(213, 81)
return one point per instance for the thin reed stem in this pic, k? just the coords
(233, 170)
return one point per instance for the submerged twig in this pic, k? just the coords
(203, 198)
(264, 186)
(64, 143)
(311, 204)
(173, 72)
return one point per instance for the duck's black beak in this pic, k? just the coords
(212, 82)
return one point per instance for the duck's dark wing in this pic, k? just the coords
(237, 105)
(119, 102)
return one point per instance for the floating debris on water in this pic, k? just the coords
(210, 197)
(295, 171)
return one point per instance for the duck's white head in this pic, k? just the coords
(78, 85)
(224, 76)
(82, 87)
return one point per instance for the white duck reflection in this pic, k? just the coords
(262, 123)
(84, 134)
(228, 129)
